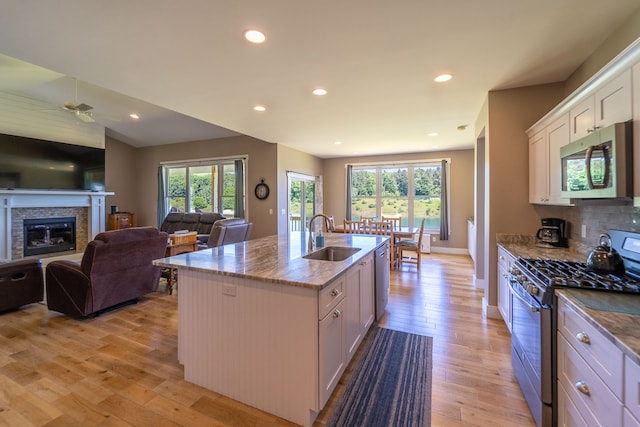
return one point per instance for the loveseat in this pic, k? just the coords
(201, 223)
(116, 268)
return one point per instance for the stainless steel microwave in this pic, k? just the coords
(599, 165)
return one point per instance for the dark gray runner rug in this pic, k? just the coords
(390, 385)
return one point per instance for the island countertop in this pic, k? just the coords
(276, 259)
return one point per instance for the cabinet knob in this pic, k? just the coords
(583, 337)
(335, 293)
(583, 388)
(336, 314)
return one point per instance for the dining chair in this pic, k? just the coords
(354, 226)
(395, 221)
(378, 227)
(410, 246)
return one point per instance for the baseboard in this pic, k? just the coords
(449, 251)
(478, 283)
(490, 311)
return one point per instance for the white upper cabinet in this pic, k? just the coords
(545, 175)
(610, 104)
(636, 135)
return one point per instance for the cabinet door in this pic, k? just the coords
(331, 345)
(367, 295)
(582, 118)
(538, 168)
(613, 101)
(504, 293)
(636, 135)
(557, 137)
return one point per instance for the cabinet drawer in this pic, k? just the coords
(594, 401)
(629, 420)
(632, 387)
(505, 260)
(599, 352)
(568, 414)
(330, 296)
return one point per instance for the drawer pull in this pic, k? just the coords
(583, 338)
(335, 293)
(583, 388)
(336, 314)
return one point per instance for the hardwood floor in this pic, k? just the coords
(120, 369)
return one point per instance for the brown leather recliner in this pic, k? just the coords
(227, 231)
(116, 268)
(21, 283)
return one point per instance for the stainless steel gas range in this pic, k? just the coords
(533, 337)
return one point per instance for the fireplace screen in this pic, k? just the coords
(48, 235)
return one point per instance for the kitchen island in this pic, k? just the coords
(259, 323)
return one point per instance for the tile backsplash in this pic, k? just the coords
(599, 216)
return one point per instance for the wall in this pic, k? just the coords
(121, 176)
(461, 190)
(616, 43)
(262, 159)
(508, 114)
(291, 160)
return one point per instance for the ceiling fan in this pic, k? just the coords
(80, 109)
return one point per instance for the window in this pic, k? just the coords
(411, 191)
(205, 186)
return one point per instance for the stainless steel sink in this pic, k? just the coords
(332, 253)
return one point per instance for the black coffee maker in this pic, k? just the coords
(553, 233)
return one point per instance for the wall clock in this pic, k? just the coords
(262, 190)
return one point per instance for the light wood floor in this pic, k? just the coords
(120, 369)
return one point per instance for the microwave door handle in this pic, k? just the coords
(607, 166)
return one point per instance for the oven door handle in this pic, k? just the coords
(533, 308)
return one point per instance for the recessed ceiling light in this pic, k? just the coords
(338, 142)
(134, 116)
(319, 91)
(443, 78)
(254, 36)
(433, 134)
(260, 108)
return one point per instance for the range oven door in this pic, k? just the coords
(531, 352)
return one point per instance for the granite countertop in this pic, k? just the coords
(525, 246)
(276, 259)
(611, 313)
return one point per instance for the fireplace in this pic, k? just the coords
(49, 235)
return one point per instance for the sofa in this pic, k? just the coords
(227, 231)
(21, 283)
(201, 223)
(116, 268)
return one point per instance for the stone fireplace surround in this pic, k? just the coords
(16, 205)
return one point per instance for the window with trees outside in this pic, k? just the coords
(410, 191)
(205, 186)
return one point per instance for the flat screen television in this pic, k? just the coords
(29, 163)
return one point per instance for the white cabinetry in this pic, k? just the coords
(590, 373)
(631, 392)
(505, 261)
(545, 175)
(636, 135)
(471, 239)
(610, 104)
(347, 312)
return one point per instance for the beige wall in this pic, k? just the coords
(614, 44)
(509, 114)
(262, 158)
(461, 181)
(291, 160)
(121, 176)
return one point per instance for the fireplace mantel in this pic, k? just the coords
(94, 201)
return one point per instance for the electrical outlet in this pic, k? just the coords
(433, 238)
(229, 290)
(584, 231)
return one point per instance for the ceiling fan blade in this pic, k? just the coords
(85, 117)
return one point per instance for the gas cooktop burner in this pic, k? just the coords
(556, 273)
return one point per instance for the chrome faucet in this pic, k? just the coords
(328, 222)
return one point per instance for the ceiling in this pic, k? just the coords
(185, 68)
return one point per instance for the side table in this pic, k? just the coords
(177, 249)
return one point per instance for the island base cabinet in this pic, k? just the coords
(332, 360)
(253, 341)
